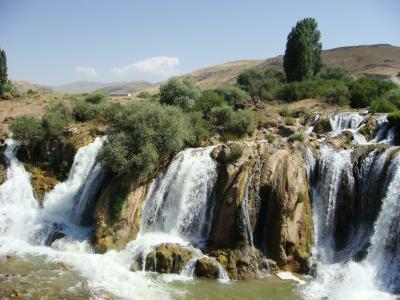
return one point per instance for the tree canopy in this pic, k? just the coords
(302, 60)
(3, 71)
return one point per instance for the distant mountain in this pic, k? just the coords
(90, 86)
(381, 61)
(24, 86)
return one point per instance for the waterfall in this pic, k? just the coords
(313, 123)
(18, 206)
(355, 199)
(178, 201)
(385, 133)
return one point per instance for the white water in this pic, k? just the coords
(313, 123)
(338, 276)
(178, 207)
(24, 227)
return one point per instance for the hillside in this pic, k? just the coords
(90, 86)
(24, 86)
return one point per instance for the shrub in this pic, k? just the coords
(144, 95)
(222, 115)
(96, 98)
(382, 105)
(336, 93)
(295, 90)
(84, 111)
(178, 87)
(236, 152)
(141, 133)
(250, 80)
(366, 89)
(200, 128)
(208, 100)
(269, 89)
(290, 121)
(27, 129)
(233, 95)
(393, 96)
(284, 112)
(394, 119)
(186, 103)
(270, 138)
(335, 73)
(118, 195)
(296, 137)
(243, 122)
(56, 117)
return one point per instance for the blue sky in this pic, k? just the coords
(53, 42)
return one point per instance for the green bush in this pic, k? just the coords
(335, 73)
(96, 98)
(144, 95)
(118, 195)
(141, 133)
(186, 103)
(178, 87)
(27, 129)
(296, 137)
(366, 89)
(298, 90)
(394, 119)
(208, 100)
(233, 95)
(270, 138)
(250, 80)
(56, 117)
(243, 123)
(393, 96)
(84, 111)
(336, 93)
(222, 115)
(200, 128)
(236, 152)
(290, 121)
(382, 105)
(284, 112)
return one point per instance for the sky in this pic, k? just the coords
(55, 41)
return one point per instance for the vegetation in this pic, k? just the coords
(57, 116)
(296, 137)
(93, 106)
(3, 72)
(394, 119)
(302, 60)
(144, 95)
(143, 132)
(236, 152)
(177, 88)
(233, 95)
(243, 123)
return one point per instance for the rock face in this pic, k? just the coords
(263, 199)
(285, 227)
(169, 258)
(112, 232)
(206, 267)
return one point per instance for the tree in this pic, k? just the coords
(3, 71)
(302, 58)
(178, 87)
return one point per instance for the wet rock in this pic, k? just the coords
(206, 267)
(323, 126)
(56, 235)
(169, 258)
(286, 131)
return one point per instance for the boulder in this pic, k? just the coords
(323, 125)
(169, 258)
(206, 267)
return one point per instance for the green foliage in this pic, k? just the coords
(84, 111)
(284, 112)
(31, 92)
(290, 121)
(178, 87)
(302, 58)
(208, 100)
(118, 196)
(222, 115)
(366, 89)
(233, 95)
(56, 117)
(298, 90)
(200, 128)
(144, 95)
(336, 93)
(96, 98)
(3, 72)
(296, 137)
(393, 96)
(186, 103)
(27, 129)
(141, 133)
(236, 152)
(394, 119)
(243, 123)
(270, 138)
(382, 105)
(334, 73)
(264, 84)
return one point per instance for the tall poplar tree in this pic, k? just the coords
(302, 58)
(3, 71)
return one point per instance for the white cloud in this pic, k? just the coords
(160, 67)
(86, 71)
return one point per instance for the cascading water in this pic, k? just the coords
(352, 257)
(179, 206)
